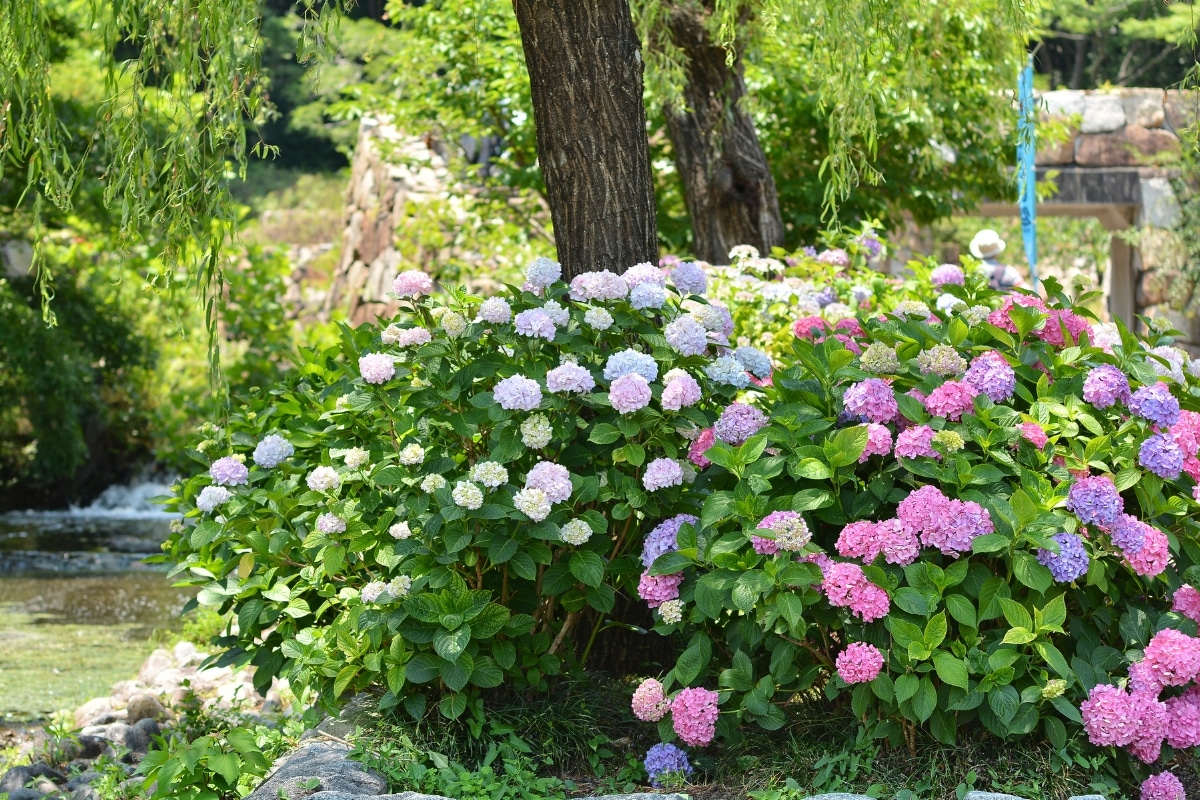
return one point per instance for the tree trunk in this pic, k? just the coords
(585, 76)
(727, 181)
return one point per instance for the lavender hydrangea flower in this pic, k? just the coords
(376, 368)
(727, 371)
(569, 378)
(689, 278)
(663, 759)
(1095, 500)
(551, 478)
(535, 323)
(229, 471)
(755, 361)
(630, 362)
(826, 296)
(1070, 563)
(661, 473)
(872, 398)
(629, 393)
(738, 422)
(642, 273)
(543, 272)
(947, 273)
(664, 537)
(603, 285)
(1155, 403)
(990, 373)
(686, 336)
(647, 295)
(1162, 456)
(871, 244)
(518, 393)
(1129, 534)
(272, 451)
(1106, 385)
(836, 257)
(330, 524)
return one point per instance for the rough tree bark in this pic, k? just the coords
(727, 181)
(585, 75)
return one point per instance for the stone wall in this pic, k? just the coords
(1118, 128)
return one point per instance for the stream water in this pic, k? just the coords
(78, 608)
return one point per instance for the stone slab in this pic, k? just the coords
(1144, 107)
(1063, 103)
(638, 796)
(1160, 206)
(1102, 113)
(974, 795)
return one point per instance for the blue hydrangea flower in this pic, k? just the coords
(664, 538)
(647, 295)
(755, 361)
(1162, 456)
(629, 362)
(1070, 563)
(689, 278)
(1096, 501)
(663, 759)
(728, 371)
(1156, 403)
(826, 296)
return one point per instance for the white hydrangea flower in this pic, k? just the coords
(575, 532)
(432, 483)
(557, 314)
(373, 591)
(411, 455)
(323, 479)
(671, 611)
(533, 503)
(467, 495)
(356, 457)
(399, 586)
(390, 335)
(453, 323)
(536, 432)
(211, 497)
(495, 310)
(400, 530)
(490, 473)
(598, 318)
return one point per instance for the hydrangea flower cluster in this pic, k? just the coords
(738, 422)
(272, 451)
(664, 537)
(1155, 403)
(1095, 501)
(1163, 786)
(1105, 386)
(949, 525)
(990, 374)
(650, 704)
(694, 715)
(951, 400)
(867, 540)
(665, 759)
(873, 399)
(859, 663)
(941, 360)
(1071, 561)
(229, 471)
(791, 532)
(658, 589)
(845, 585)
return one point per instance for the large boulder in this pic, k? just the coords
(329, 764)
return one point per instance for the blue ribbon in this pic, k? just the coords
(1026, 172)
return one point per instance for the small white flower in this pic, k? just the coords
(467, 495)
(533, 503)
(432, 483)
(671, 611)
(400, 530)
(356, 457)
(399, 586)
(211, 497)
(598, 318)
(373, 591)
(536, 432)
(490, 473)
(453, 323)
(557, 314)
(411, 455)
(323, 479)
(575, 532)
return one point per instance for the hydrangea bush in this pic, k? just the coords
(973, 512)
(451, 500)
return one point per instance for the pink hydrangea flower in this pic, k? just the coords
(867, 540)
(412, 283)
(1163, 786)
(1001, 317)
(951, 400)
(570, 378)
(649, 702)
(764, 546)
(1183, 720)
(553, 479)
(694, 715)
(658, 589)
(1186, 432)
(810, 328)
(376, 368)
(1060, 320)
(661, 473)
(629, 393)
(872, 398)
(1187, 602)
(1154, 556)
(1172, 658)
(879, 442)
(535, 323)
(409, 337)
(859, 663)
(846, 586)
(699, 446)
(916, 442)
(680, 391)
(1034, 434)
(1114, 717)
(229, 471)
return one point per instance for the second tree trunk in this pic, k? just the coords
(727, 181)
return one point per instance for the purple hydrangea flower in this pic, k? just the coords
(1155, 403)
(873, 399)
(689, 278)
(570, 378)
(228, 471)
(947, 273)
(991, 374)
(686, 336)
(629, 392)
(1162, 456)
(663, 759)
(755, 361)
(826, 296)
(1096, 501)
(1070, 563)
(647, 295)
(1128, 533)
(661, 473)
(535, 323)
(1105, 385)
(664, 538)
(518, 393)
(738, 422)
(871, 244)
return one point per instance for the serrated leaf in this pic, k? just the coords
(588, 567)
(1016, 614)
(925, 700)
(962, 610)
(951, 670)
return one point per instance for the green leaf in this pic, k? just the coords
(670, 562)
(935, 630)
(906, 687)
(812, 499)
(813, 469)
(925, 700)
(450, 644)
(604, 434)
(1004, 700)
(452, 706)
(689, 665)
(1054, 614)
(1016, 614)
(1019, 636)
(344, 676)
(1031, 573)
(227, 765)
(791, 608)
(389, 476)
(588, 567)
(422, 668)
(951, 670)
(989, 543)
(1127, 478)
(962, 610)
(457, 673)
(912, 601)
(1055, 659)
(846, 446)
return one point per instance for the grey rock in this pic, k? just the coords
(18, 777)
(1087, 797)
(117, 732)
(141, 736)
(71, 748)
(158, 661)
(94, 710)
(24, 794)
(1063, 103)
(144, 706)
(85, 793)
(1160, 206)
(400, 796)
(1144, 107)
(652, 796)
(990, 796)
(82, 779)
(328, 763)
(1102, 113)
